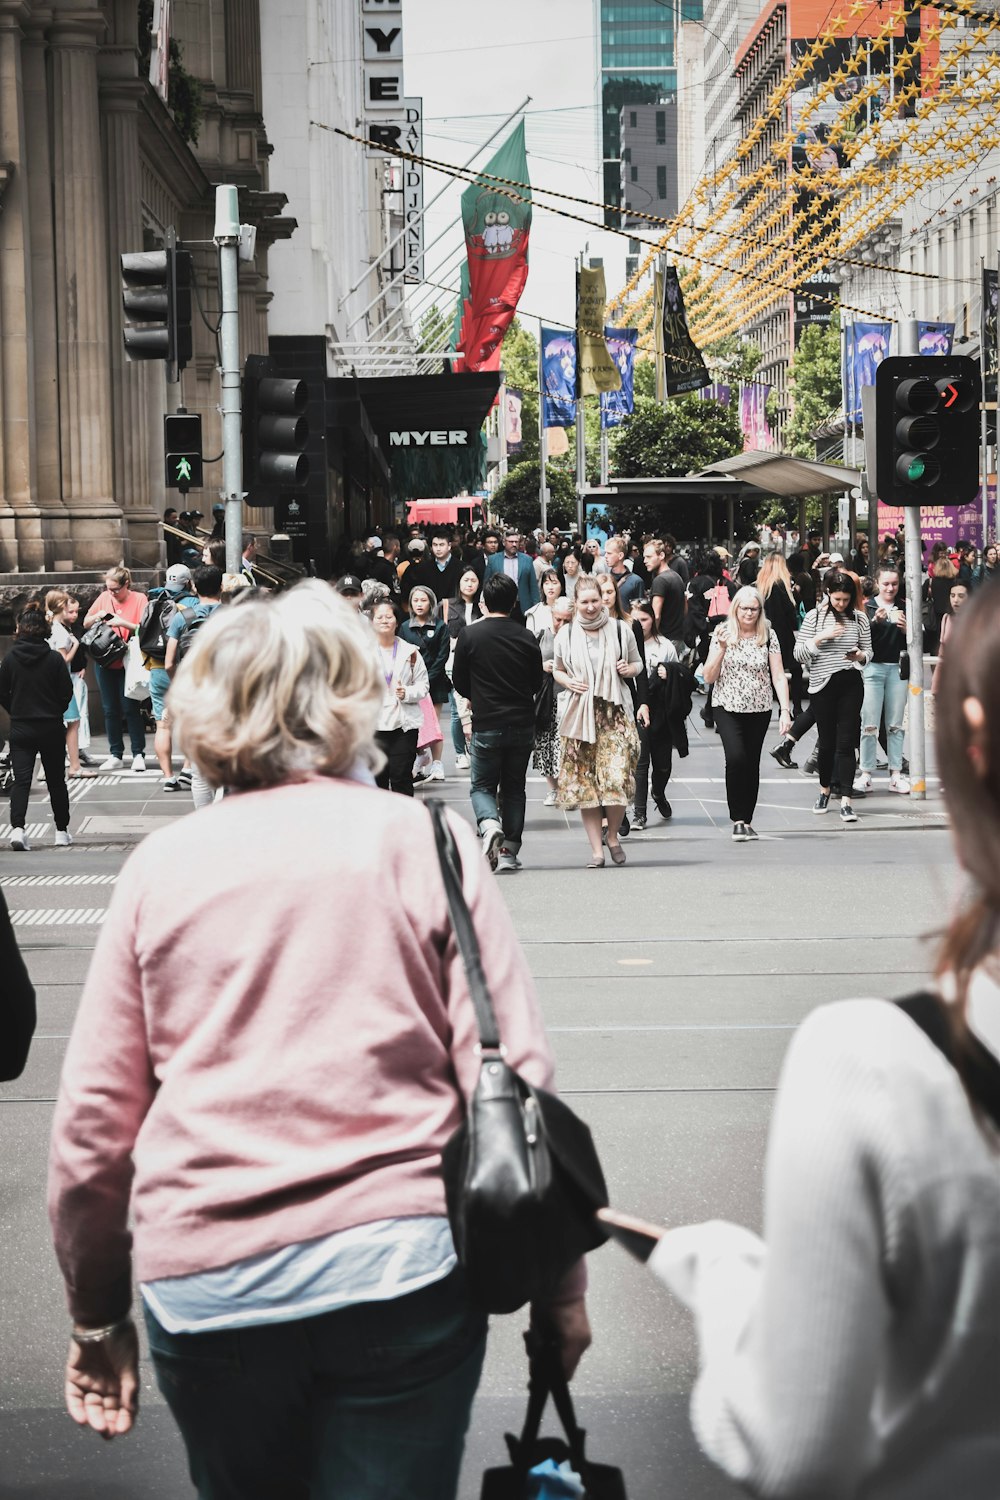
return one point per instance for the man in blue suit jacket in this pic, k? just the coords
(518, 566)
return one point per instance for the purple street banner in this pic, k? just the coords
(866, 345)
(988, 334)
(938, 523)
(935, 338)
(754, 425)
(559, 377)
(617, 405)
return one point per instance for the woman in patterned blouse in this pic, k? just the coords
(746, 667)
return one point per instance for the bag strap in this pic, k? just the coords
(982, 1071)
(546, 1378)
(465, 932)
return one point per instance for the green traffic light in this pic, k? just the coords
(184, 469)
(915, 469)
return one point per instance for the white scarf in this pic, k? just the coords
(578, 721)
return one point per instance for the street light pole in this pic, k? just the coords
(913, 556)
(227, 237)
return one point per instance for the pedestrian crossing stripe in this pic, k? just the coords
(59, 916)
(33, 830)
(23, 880)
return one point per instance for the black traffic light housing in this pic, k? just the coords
(275, 432)
(927, 429)
(182, 451)
(156, 299)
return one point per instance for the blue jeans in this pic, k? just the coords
(883, 688)
(457, 732)
(111, 682)
(370, 1402)
(499, 766)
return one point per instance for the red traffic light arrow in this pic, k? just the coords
(952, 395)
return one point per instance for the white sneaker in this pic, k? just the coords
(18, 840)
(898, 783)
(63, 838)
(863, 782)
(436, 772)
(113, 763)
(507, 862)
(550, 799)
(462, 763)
(138, 763)
(491, 834)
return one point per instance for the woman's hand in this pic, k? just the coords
(854, 655)
(661, 672)
(624, 668)
(570, 1323)
(831, 633)
(577, 685)
(784, 721)
(642, 715)
(400, 692)
(547, 666)
(102, 1382)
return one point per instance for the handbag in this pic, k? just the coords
(545, 700)
(904, 666)
(601, 1481)
(104, 645)
(136, 673)
(521, 1174)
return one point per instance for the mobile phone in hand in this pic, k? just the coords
(636, 1236)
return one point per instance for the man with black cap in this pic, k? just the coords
(349, 587)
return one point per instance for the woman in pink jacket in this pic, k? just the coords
(263, 1072)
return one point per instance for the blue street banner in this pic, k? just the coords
(866, 345)
(617, 405)
(935, 338)
(559, 377)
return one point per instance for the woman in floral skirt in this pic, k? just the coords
(593, 660)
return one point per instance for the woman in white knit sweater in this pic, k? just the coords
(855, 1350)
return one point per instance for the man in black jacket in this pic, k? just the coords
(498, 667)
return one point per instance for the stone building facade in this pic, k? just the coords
(95, 165)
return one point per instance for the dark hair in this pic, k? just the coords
(550, 573)
(710, 565)
(171, 510)
(499, 594)
(248, 538)
(887, 567)
(646, 607)
(836, 581)
(217, 552)
(32, 624)
(207, 581)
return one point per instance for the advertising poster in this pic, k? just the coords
(942, 523)
(617, 405)
(935, 338)
(597, 371)
(684, 368)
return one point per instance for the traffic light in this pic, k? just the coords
(275, 432)
(182, 451)
(156, 297)
(927, 429)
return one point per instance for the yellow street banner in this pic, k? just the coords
(597, 371)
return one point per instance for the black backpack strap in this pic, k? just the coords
(980, 1070)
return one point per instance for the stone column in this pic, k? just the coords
(82, 321)
(18, 475)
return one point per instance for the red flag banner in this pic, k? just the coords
(496, 241)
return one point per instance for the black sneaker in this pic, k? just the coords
(782, 753)
(625, 829)
(822, 803)
(663, 807)
(740, 833)
(638, 822)
(751, 833)
(847, 813)
(811, 766)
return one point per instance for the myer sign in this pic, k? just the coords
(443, 437)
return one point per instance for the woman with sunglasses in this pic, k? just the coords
(746, 667)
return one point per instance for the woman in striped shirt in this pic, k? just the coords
(835, 642)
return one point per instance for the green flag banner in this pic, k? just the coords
(596, 370)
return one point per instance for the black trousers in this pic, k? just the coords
(399, 746)
(656, 749)
(26, 742)
(838, 720)
(803, 721)
(742, 738)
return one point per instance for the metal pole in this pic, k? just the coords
(581, 435)
(604, 454)
(996, 451)
(502, 432)
(915, 647)
(543, 444)
(227, 237)
(984, 457)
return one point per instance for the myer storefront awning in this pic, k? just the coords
(428, 427)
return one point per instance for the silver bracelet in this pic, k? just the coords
(99, 1335)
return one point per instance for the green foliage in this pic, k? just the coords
(735, 358)
(433, 332)
(516, 497)
(659, 441)
(815, 386)
(183, 89)
(645, 378)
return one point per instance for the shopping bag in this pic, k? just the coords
(136, 673)
(531, 1452)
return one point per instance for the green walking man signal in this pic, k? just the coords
(182, 450)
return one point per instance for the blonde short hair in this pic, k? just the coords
(279, 689)
(731, 629)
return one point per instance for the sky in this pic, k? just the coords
(474, 63)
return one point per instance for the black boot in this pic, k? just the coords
(782, 753)
(812, 765)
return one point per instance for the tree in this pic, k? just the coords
(680, 438)
(815, 386)
(516, 497)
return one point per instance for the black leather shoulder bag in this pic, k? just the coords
(522, 1176)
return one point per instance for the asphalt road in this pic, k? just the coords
(670, 987)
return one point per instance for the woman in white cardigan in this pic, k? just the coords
(855, 1350)
(400, 716)
(593, 658)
